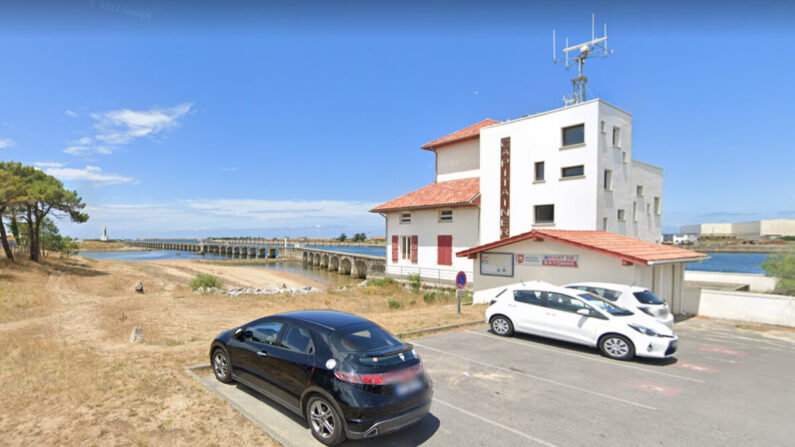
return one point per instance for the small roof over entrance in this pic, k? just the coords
(626, 248)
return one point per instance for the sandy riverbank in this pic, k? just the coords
(237, 276)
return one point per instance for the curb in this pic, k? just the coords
(440, 328)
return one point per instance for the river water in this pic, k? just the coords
(731, 263)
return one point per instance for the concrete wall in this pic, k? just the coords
(756, 282)
(649, 220)
(744, 306)
(459, 160)
(425, 224)
(778, 227)
(665, 280)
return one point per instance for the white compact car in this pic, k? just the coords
(543, 309)
(630, 297)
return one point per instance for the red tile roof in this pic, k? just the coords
(463, 134)
(463, 192)
(627, 248)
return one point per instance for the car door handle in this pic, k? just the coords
(262, 353)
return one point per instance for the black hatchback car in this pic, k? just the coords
(346, 375)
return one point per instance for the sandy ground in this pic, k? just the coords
(69, 375)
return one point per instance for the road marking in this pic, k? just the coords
(721, 360)
(541, 379)
(497, 424)
(720, 350)
(594, 359)
(656, 389)
(692, 367)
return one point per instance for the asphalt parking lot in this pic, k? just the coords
(724, 387)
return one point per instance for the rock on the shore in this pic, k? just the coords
(137, 334)
(252, 291)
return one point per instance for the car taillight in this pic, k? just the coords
(402, 375)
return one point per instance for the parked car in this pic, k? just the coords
(346, 375)
(566, 314)
(630, 297)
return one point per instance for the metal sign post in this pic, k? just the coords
(460, 283)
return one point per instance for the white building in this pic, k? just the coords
(569, 168)
(747, 230)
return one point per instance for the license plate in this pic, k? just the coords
(408, 387)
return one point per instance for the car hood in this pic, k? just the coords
(651, 323)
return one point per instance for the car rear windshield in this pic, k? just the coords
(605, 305)
(646, 297)
(364, 338)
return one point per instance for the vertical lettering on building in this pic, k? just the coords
(505, 188)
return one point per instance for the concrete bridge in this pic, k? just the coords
(353, 264)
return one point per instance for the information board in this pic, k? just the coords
(496, 264)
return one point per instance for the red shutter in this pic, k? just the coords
(414, 249)
(445, 250)
(394, 248)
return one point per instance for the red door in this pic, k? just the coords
(414, 249)
(394, 248)
(444, 250)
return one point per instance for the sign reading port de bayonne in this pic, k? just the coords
(461, 280)
(548, 260)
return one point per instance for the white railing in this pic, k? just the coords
(429, 275)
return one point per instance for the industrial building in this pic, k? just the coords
(756, 229)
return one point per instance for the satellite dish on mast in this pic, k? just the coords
(594, 48)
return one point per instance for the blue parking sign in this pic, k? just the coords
(461, 280)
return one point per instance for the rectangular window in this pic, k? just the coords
(604, 224)
(572, 171)
(539, 171)
(544, 214)
(621, 215)
(405, 218)
(634, 211)
(405, 247)
(573, 135)
(446, 216)
(639, 190)
(657, 206)
(608, 183)
(444, 249)
(624, 157)
(648, 209)
(616, 136)
(602, 127)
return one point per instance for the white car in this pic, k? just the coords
(580, 317)
(630, 297)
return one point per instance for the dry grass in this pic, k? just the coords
(70, 377)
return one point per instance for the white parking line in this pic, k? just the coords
(594, 359)
(540, 379)
(497, 424)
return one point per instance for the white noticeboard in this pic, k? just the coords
(548, 260)
(496, 264)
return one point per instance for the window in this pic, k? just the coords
(602, 127)
(297, 339)
(544, 214)
(573, 135)
(405, 218)
(639, 190)
(608, 183)
(616, 136)
(405, 247)
(265, 333)
(539, 171)
(621, 215)
(444, 250)
(356, 338)
(657, 206)
(646, 297)
(634, 211)
(607, 294)
(564, 302)
(530, 297)
(446, 216)
(572, 171)
(648, 209)
(604, 224)
(624, 157)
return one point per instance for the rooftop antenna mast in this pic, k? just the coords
(594, 48)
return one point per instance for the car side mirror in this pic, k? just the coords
(584, 312)
(238, 334)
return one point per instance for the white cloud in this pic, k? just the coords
(281, 210)
(6, 143)
(91, 174)
(47, 164)
(119, 127)
(71, 114)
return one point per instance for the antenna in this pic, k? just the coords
(594, 48)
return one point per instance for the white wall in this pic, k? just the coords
(778, 227)
(665, 280)
(649, 223)
(459, 160)
(754, 307)
(755, 282)
(425, 224)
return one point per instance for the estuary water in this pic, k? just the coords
(731, 263)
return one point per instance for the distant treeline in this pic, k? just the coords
(28, 198)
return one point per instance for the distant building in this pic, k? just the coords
(104, 234)
(747, 230)
(680, 238)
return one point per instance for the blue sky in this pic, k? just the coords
(258, 118)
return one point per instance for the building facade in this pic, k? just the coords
(569, 168)
(748, 230)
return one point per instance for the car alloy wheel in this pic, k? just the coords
(501, 326)
(221, 366)
(617, 347)
(324, 421)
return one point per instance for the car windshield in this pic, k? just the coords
(605, 305)
(646, 297)
(364, 338)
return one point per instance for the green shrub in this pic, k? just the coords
(782, 266)
(203, 280)
(414, 282)
(393, 304)
(429, 297)
(381, 282)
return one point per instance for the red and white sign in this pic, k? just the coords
(548, 260)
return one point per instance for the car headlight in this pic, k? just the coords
(643, 330)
